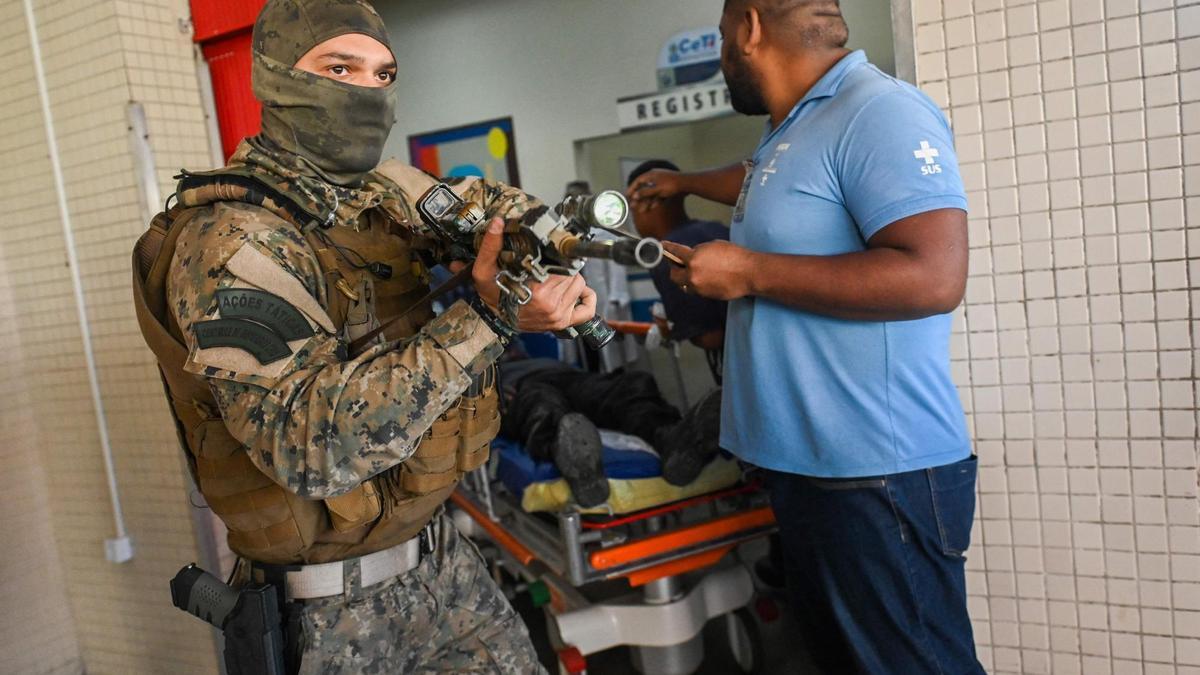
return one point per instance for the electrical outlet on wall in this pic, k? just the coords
(118, 549)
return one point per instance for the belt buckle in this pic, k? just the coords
(427, 540)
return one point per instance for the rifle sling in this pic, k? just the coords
(445, 287)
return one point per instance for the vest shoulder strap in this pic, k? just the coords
(152, 256)
(234, 185)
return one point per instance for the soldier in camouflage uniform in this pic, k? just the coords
(313, 456)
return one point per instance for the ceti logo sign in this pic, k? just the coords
(691, 47)
(689, 57)
(690, 86)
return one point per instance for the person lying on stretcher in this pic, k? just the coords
(554, 410)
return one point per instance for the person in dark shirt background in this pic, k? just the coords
(698, 320)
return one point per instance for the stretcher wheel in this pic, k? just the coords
(571, 661)
(767, 609)
(743, 641)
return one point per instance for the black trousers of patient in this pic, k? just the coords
(626, 401)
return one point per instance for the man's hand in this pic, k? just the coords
(664, 326)
(557, 303)
(722, 185)
(653, 187)
(714, 269)
(914, 268)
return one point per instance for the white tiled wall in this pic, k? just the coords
(36, 631)
(65, 607)
(1078, 127)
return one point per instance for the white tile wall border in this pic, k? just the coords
(1078, 127)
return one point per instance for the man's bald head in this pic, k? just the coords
(799, 24)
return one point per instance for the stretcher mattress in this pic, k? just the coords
(634, 476)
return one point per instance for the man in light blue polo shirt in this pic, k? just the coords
(848, 251)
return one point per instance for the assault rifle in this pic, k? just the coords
(550, 241)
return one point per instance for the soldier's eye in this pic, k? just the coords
(387, 76)
(339, 70)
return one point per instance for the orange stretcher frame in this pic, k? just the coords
(515, 548)
(630, 327)
(646, 548)
(681, 538)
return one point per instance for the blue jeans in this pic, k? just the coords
(875, 568)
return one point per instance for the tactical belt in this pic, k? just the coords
(308, 582)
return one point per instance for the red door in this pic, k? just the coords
(222, 28)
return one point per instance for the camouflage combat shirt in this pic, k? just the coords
(316, 423)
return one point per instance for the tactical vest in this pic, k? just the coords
(266, 522)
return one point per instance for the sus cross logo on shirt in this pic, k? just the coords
(927, 153)
(770, 169)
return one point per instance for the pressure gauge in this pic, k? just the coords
(608, 209)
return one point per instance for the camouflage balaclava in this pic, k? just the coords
(336, 129)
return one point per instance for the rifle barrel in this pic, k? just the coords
(645, 253)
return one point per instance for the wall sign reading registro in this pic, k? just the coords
(686, 104)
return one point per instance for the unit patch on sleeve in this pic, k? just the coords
(254, 321)
(261, 342)
(264, 308)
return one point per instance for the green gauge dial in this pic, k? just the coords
(609, 209)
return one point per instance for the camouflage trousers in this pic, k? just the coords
(445, 616)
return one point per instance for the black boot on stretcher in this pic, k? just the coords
(689, 445)
(578, 455)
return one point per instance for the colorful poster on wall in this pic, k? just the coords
(485, 149)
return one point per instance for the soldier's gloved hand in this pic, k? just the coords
(557, 303)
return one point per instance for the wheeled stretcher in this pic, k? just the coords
(648, 574)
